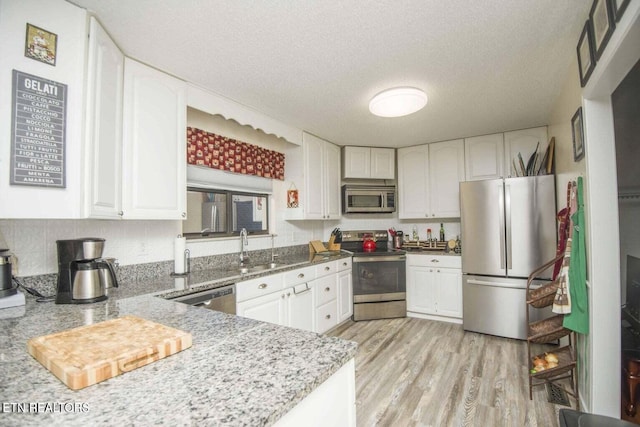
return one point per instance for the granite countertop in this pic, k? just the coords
(238, 372)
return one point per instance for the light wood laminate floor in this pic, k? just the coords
(415, 372)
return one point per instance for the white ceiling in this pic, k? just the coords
(487, 66)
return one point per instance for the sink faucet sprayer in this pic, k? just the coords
(244, 242)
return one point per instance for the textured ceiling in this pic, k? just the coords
(487, 66)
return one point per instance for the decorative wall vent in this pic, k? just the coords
(228, 154)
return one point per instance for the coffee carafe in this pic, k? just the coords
(81, 271)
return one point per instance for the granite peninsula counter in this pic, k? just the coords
(238, 372)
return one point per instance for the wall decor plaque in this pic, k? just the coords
(38, 131)
(41, 45)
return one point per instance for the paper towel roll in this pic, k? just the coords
(178, 257)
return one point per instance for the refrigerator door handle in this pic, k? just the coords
(496, 284)
(501, 219)
(507, 202)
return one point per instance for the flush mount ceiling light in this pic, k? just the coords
(397, 102)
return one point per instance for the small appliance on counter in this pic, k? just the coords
(9, 294)
(83, 276)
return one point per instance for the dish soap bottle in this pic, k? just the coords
(415, 232)
(441, 232)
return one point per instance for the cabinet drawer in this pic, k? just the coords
(326, 268)
(325, 289)
(428, 260)
(344, 264)
(326, 316)
(301, 275)
(259, 286)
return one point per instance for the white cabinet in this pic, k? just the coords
(523, 142)
(103, 126)
(154, 144)
(319, 197)
(325, 302)
(446, 171)
(267, 308)
(314, 298)
(345, 296)
(484, 157)
(299, 304)
(368, 163)
(413, 182)
(428, 180)
(434, 287)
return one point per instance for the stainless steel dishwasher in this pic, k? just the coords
(219, 299)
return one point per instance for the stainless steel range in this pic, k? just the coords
(379, 275)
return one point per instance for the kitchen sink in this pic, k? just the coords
(260, 267)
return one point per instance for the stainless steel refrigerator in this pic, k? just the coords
(508, 229)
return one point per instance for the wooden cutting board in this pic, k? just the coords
(87, 355)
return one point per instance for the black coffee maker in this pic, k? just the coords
(81, 278)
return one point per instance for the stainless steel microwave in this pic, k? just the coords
(368, 199)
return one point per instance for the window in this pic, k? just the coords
(219, 213)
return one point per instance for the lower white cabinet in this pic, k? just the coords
(345, 296)
(311, 298)
(434, 287)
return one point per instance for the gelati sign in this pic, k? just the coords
(38, 131)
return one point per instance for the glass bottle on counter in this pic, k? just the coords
(441, 232)
(414, 233)
(429, 236)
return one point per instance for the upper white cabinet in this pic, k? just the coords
(413, 182)
(154, 144)
(103, 126)
(368, 163)
(320, 173)
(484, 157)
(446, 171)
(428, 180)
(524, 142)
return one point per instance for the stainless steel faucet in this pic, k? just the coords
(244, 242)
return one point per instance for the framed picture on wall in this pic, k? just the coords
(41, 45)
(586, 62)
(578, 135)
(602, 23)
(619, 7)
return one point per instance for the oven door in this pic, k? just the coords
(379, 278)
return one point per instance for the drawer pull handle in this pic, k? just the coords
(344, 263)
(328, 316)
(262, 286)
(435, 260)
(438, 271)
(300, 276)
(327, 268)
(288, 294)
(282, 296)
(327, 289)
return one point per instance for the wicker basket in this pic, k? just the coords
(566, 362)
(544, 295)
(547, 330)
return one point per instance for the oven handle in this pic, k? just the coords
(379, 258)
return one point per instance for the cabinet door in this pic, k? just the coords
(154, 145)
(314, 176)
(345, 296)
(484, 157)
(332, 181)
(421, 290)
(413, 182)
(357, 162)
(449, 292)
(300, 309)
(103, 140)
(446, 171)
(267, 308)
(524, 142)
(383, 161)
